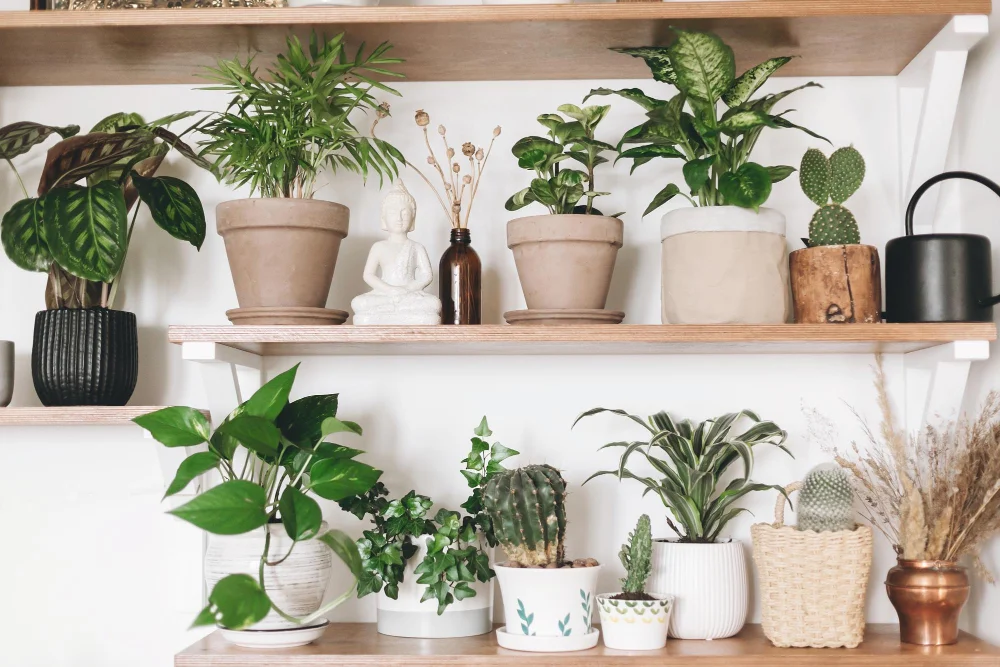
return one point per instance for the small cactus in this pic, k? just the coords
(528, 510)
(832, 180)
(636, 556)
(826, 500)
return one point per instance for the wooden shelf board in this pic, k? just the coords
(591, 339)
(472, 42)
(358, 644)
(82, 415)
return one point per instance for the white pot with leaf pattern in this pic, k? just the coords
(635, 625)
(543, 602)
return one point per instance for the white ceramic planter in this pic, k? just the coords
(709, 584)
(635, 625)
(297, 585)
(724, 265)
(407, 616)
(548, 603)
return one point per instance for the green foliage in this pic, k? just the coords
(826, 500)
(569, 138)
(456, 554)
(829, 183)
(689, 126)
(692, 460)
(637, 557)
(271, 456)
(281, 129)
(528, 510)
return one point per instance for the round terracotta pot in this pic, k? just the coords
(565, 261)
(282, 252)
(928, 596)
(836, 284)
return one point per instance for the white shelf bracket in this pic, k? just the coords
(928, 93)
(936, 378)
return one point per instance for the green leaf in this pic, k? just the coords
(703, 64)
(780, 173)
(337, 479)
(300, 514)
(782, 122)
(78, 157)
(744, 120)
(345, 548)
(533, 144)
(22, 233)
(231, 508)
(661, 198)
(271, 399)
(500, 453)
(255, 433)
(697, 172)
(18, 138)
(333, 425)
(301, 421)
(176, 426)
(544, 192)
(194, 465)
(117, 121)
(86, 230)
(174, 205)
(748, 187)
(657, 59)
(483, 430)
(750, 81)
(236, 602)
(519, 200)
(651, 151)
(633, 94)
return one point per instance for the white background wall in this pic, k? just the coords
(98, 576)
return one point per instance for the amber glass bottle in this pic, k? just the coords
(461, 278)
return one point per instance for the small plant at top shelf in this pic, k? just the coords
(557, 188)
(636, 555)
(826, 500)
(715, 148)
(829, 183)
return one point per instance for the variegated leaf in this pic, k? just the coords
(85, 229)
(750, 81)
(174, 205)
(741, 122)
(177, 144)
(651, 150)
(634, 94)
(748, 187)
(658, 60)
(23, 237)
(703, 64)
(73, 159)
(117, 121)
(18, 138)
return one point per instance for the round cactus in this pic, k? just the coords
(847, 171)
(833, 225)
(814, 176)
(528, 509)
(826, 500)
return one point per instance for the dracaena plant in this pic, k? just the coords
(715, 147)
(77, 227)
(456, 542)
(281, 130)
(691, 459)
(272, 456)
(558, 188)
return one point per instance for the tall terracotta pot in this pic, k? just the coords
(928, 596)
(836, 284)
(282, 252)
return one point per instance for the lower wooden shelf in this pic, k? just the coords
(81, 415)
(358, 644)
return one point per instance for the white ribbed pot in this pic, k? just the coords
(724, 265)
(709, 584)
(407, 616)
(296, 586)
(548, 602)
(635, 625)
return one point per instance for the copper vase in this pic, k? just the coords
(928, 596)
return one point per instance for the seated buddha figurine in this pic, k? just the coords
(398, 269)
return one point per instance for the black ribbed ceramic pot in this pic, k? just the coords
(85, 356)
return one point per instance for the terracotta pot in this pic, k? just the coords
(836, 284)
(282, 252)
(928, 596)
(565, 261)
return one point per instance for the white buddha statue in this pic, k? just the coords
(398, 269)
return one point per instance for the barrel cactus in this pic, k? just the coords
(636, 556)
(825, 501)
(528, 509)
(829, 183)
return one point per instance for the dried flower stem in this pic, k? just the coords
(479, 177)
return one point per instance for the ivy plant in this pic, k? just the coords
(77, 227)
(456, 542)
(272, 455)
(715, 147)
(571, 136)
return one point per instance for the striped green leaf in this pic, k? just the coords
(174, 205)
(78, 157)
(18, 138)
(703, 64)
(85, 229)
(116, 121)
(750, 81)
(23, 236)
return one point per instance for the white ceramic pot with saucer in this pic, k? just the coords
(635, 625)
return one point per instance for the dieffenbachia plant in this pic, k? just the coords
(271, 454)
(715, 147)
(77, 229)
(692, 460)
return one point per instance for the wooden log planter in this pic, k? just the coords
(838, 284)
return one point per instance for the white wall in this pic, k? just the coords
(92, 553)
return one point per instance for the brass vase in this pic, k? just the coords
(928, 596)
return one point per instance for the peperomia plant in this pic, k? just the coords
(692, 460)
(456, 556)
(555, 187)
(77, 229)
(715, 148)
(271, 454)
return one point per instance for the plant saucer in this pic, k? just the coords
(277, 638)
(533, 644)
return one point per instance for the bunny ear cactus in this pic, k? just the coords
(829, 183)
(636, 556)
(528, 509)
(826, 500)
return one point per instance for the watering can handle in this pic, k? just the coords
(967, 175)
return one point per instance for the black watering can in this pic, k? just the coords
(939, 277)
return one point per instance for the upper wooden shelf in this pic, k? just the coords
(82, 415)
(357, 644)
(589, 339)
(472, 42)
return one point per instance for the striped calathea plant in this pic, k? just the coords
(690, 460)
(714, 146)
(77, 227)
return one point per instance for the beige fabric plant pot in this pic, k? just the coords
(724, 265)
(282, 252)
(565, 261)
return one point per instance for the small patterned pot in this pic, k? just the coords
(635, 625)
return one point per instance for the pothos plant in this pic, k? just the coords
(272, 455)
(456, 553)
(571, 138)
(77, 228)
(715, 147)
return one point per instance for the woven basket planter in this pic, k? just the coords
(812, 585)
